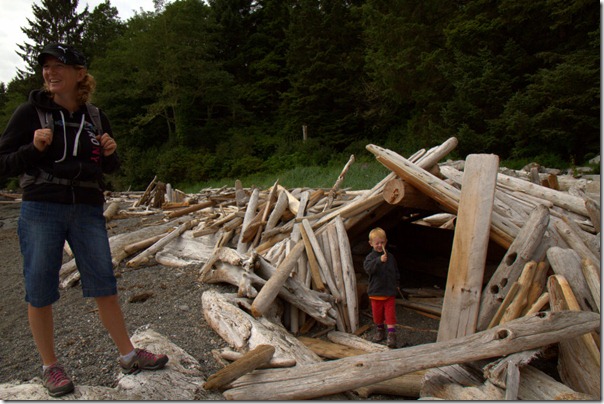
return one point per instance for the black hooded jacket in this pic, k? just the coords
(384, 277)
(74, 154)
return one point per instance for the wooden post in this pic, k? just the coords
(470, 243)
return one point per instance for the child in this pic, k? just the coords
(384, 276)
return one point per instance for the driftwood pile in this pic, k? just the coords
(288, 253)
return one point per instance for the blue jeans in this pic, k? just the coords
(43, 229)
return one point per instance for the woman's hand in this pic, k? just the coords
(107, 143)
(42, 138)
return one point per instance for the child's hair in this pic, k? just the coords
(377, 232)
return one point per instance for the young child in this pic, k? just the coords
(384, 277)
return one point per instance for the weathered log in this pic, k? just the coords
(146, 255)
(244, 332)
(348, 275)
(250, 212)
(566, 262)
(329, 350)
(344, 345)
(469, 252)
(314, 262)
(145, 196)
(578, 357)
(230, 355)
(536, 385)
(539, 304)
(502, 231)
(509, 298)
(320, 379)
(111, 211)
(520, 299)
(537, 286)
(593, 211)
(520, 252)
(575, 242)
(592, 277)
(333, 191)
(355, 342)
(250, 361)
(559, 198)
(190, 209)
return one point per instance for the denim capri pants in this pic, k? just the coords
(43, 229)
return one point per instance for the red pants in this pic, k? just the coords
(384, 309)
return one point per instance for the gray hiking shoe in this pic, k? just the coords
(56, 381)
(143, 360)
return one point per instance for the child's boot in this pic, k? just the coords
(391, 341)
(379, 334)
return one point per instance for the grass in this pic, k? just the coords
(361, 175)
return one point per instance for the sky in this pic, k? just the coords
(14, 15)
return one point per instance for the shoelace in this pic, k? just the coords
(57, 375)
(146, 355)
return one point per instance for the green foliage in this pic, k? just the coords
(202, 90)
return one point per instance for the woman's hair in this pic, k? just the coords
(377, 232)
(86, 87)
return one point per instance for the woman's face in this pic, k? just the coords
(60, 78)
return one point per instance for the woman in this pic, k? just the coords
(61, 167)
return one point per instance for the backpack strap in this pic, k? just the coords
(95, 115)
(46, 120)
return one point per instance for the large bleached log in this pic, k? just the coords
(348, 274)
(559, 198)
(520, 252)
(469, 252)
(574, 241)
(180, 380)
(566, 262)
(536, 385)
(243, 332)
(592, 277)
(579, 356)
(502, 231)
(225, 267)
(271, 289)
(343, 345)
(320, 379)
(147, 255)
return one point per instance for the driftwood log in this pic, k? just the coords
(304, 382)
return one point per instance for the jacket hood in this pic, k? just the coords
(41, 99)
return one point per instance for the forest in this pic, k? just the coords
(222, 88)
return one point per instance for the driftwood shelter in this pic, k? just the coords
(517, 255)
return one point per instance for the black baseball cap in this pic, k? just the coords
(67, 54)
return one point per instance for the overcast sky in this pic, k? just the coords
(14, 15)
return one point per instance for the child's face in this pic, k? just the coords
(378, 243)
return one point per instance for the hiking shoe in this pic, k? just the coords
(379, 335)
(56, 381)
(143, 360)
(391, 341)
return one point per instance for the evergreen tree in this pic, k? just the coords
(54, 21)
(325, 68)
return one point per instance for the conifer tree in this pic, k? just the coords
(54, 21)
